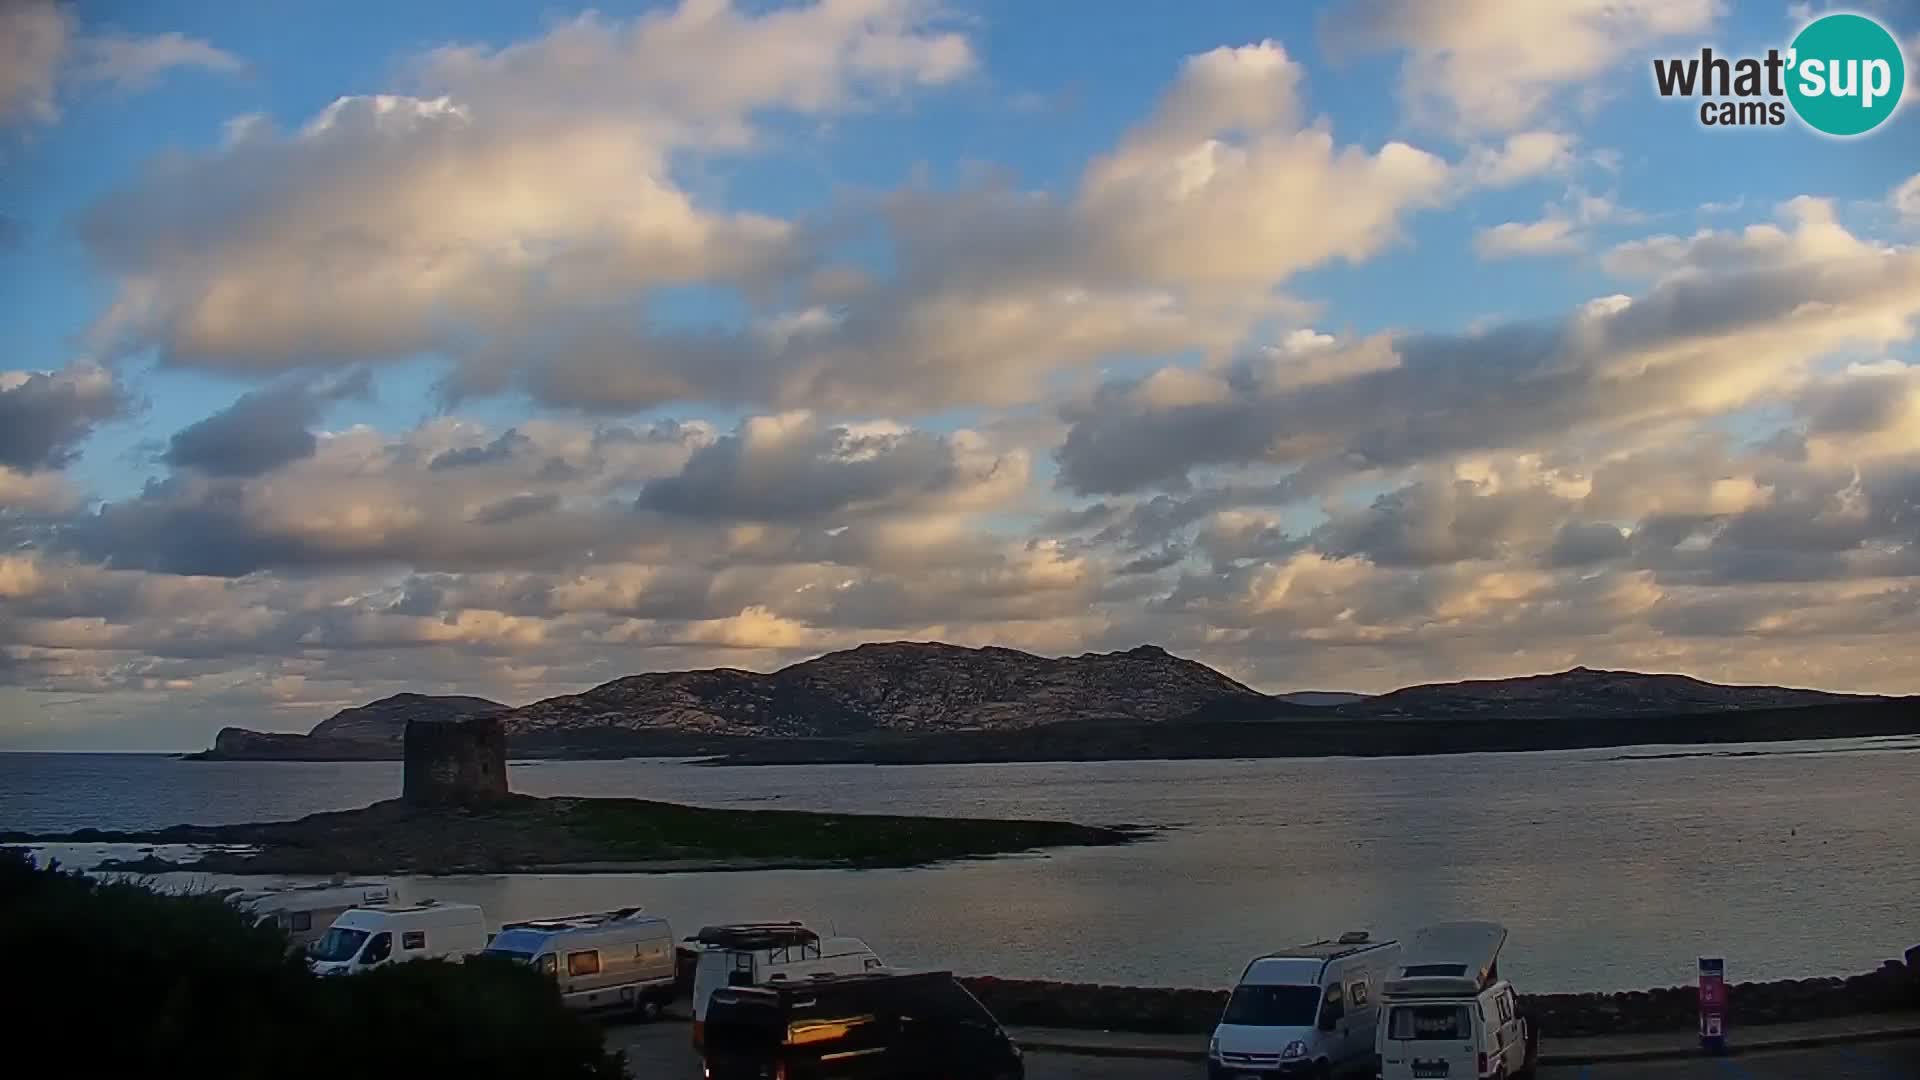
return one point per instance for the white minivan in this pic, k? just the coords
(755, 954)
(610, 960)
(1307, 1011)
(367, 938)
(1448, 1013)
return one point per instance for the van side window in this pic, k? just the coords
(300, 920)
(1335, 1007)
(413, 939)
(583, 963)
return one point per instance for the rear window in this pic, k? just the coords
(734, 1024)
(1429, 1023)
(937, 999)
(1272, 1006)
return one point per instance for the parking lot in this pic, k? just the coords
(665, 1052)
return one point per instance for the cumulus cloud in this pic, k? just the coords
(1906, 200)
(522, 184)
(343, 240)
(44, 416)
(1731, 320)
(1478, 65)
(791, 467)
(1524, 155)
(261, 431)
(135, 63)
(1548, 236)
(34, 37)
(41, 43)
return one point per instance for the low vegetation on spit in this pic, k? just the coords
(197, 990)
(525, 833)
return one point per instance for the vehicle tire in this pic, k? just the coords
(1323, 1071)
(647, 1010)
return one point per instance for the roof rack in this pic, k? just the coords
(755, 935)
(574, 922)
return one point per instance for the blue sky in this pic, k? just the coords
(1052, 259)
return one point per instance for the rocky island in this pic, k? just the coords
(456, 814)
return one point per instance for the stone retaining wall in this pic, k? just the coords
(1038, 1003)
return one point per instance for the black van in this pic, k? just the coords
(873, 1026)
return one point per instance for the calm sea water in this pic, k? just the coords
(1612, 871)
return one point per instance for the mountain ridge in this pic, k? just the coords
(904, 689)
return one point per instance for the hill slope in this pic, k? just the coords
(370, 731)
(897, 687)
(1586, 693)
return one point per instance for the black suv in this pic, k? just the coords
(873, 1026)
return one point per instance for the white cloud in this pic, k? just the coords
(562, 212)
(34, 37)
(1548, 236)
(135, 63)
(1490, 65)
(1523, 156)
(1906, 200)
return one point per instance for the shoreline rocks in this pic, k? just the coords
(1893, 987)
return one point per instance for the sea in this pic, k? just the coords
(1612, 869)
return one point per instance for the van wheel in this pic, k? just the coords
(648, 1010)
(1323, 1071)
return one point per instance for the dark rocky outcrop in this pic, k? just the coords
(1892, 988)
(386, 720)
(240, 744)
(455, 762)
(370, 732)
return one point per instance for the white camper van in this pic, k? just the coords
(1307, 1011)
(1449, 1014)
(611, 960)
(751, 954)
(367, 938)
(305, 911)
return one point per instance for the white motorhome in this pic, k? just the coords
(367, 938)
(1448, 1014)
(752, 954)
(611, 960)
(306, 911)
(1306, 1011)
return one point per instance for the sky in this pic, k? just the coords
(505, 349)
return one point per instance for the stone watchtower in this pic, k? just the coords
(455, 762)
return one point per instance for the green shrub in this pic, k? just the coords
(132, 981)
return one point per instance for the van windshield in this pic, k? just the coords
(1272, 1006)
(339, 944)
(1429, 1023)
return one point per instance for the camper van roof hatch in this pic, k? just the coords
(574, 922)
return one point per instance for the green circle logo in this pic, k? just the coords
(1846, 74)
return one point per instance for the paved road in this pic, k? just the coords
(663, 1052)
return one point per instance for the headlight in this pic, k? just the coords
(1213, 1047)
(1296, 1048)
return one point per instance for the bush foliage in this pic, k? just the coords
(131, 981)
